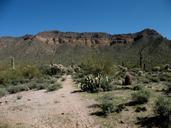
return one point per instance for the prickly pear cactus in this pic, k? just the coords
(96, 84)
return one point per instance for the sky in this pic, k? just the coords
(20, 17)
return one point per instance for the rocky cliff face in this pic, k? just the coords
(89, 39)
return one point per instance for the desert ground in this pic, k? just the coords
(64, 108)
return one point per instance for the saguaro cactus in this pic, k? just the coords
(141, 57)
(12, 62)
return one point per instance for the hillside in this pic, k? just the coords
(69, 47)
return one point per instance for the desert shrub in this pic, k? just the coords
(41, 86)
(165, 77)
(107, 104)
(153, 78)
(163, 107)
(2, 92)
(19, 75)
(162, 110)
(143, 79)
(54, 87)
(31, 85)
(168, 87)
(156, 68)
(141, 97)
(57, 70)
(30, 72)
(14, 89)
(95, 84)
(4, 125)
(137, 87)
(165, 67)
(106, 84)
(98, 64)
(10, 76)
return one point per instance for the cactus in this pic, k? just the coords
(128, 79)
(95, 84)
(12, 63)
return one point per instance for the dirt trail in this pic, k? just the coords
(39, 109)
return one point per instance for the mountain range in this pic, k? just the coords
(73, 47)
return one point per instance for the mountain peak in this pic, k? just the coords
(149, 31)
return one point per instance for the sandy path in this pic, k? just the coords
(39, 109)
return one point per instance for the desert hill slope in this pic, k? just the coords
(72, 47)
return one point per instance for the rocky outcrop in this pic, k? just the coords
(89, 39)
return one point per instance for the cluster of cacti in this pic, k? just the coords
(95, 84)
(54, 69)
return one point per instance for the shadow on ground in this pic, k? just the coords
(151, 122)
(77, 91)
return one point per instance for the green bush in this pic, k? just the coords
(137, 87)
(4, 125)
(53, 70)
(30, 72)
(163, 107)
(144, 80)
(169, 88)
(19, 75)
(106, 84)
(156, 68)
(165, 77)
(98, 64)
(53, 87)
(141, 97)
(107, 105)
(10, 76)
(154, 79)
(41, 86)
(2, 92)
(14, 89)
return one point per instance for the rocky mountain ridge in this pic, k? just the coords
(88, 38)
(73, 47)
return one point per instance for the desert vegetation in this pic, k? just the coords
(128, 96)
(125, 95)
(129, 86)
(24, 78)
